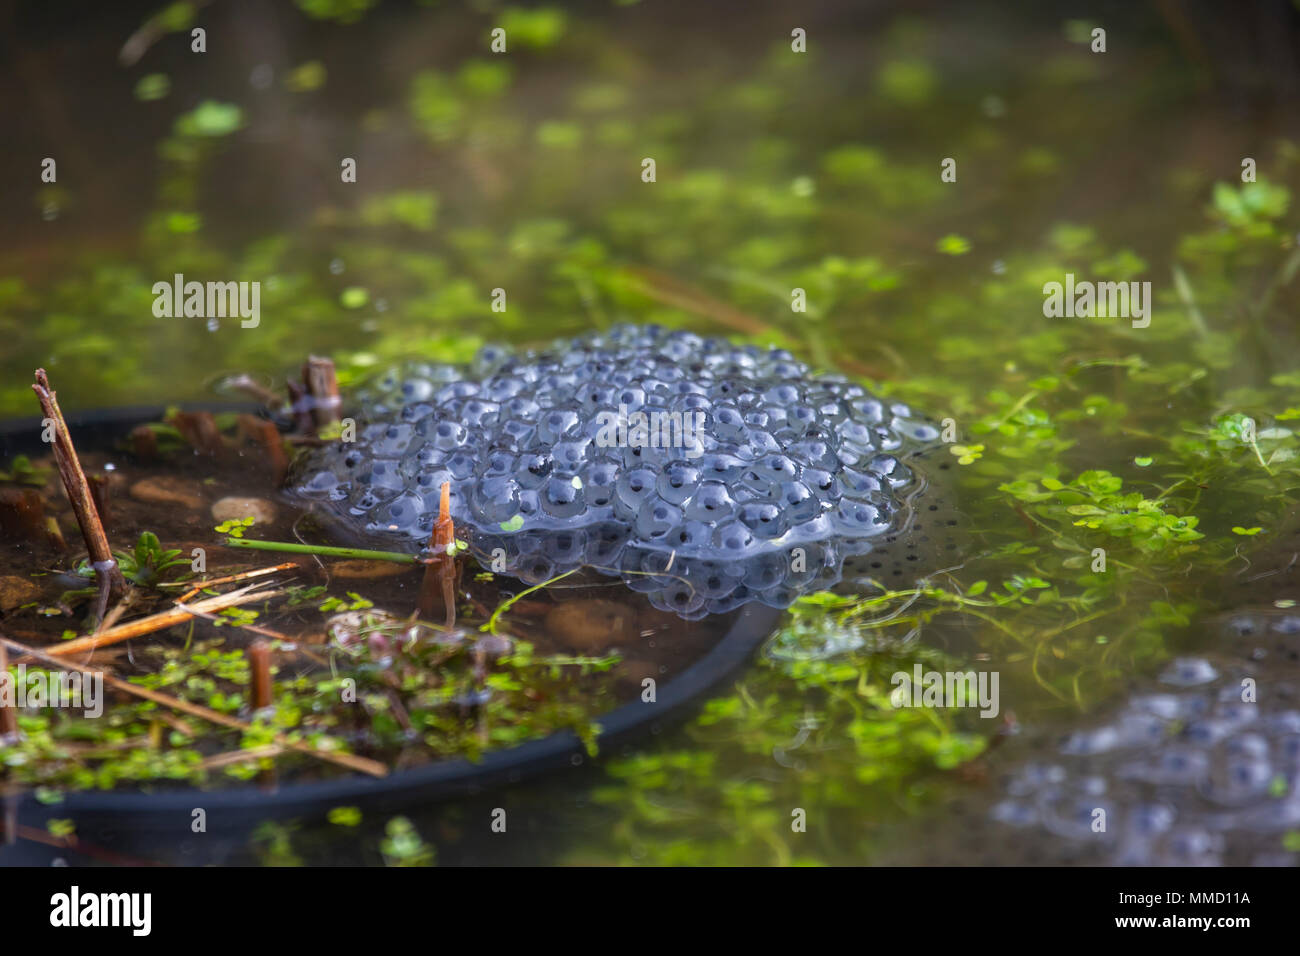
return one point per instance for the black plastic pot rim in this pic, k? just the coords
(154, 809)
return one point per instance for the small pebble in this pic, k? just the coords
(234, 508)
(15, 591)
(166, 490)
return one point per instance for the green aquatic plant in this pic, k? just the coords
(22, 472)
(146, 564)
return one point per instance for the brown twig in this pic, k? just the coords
(112, 583)
(351, 761)
(240, 756)
(161, 621)
(228, 579)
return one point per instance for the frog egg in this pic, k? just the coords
(565, 548)
(496, 499)
(421, 460)
(776, 468)
(816, 452)
(534, 568)
(384, 478)
(598, 480)
(488, 358)
(713, 579)
(401, 513)
(656, 519)
(562, 497)
(857, 483)
(605, 544)
(869, 411)
(916, 430)
(530, 502)
(480, 414)
(711, 502)
(783, 395)
(412, 390)
(766, 570)
(729, 602)
(556, 424)
(720, 466)
(797, 502)
(320, 484)
(568, 456)
(728, 423)
(534, 469)
(631, 398)
(502, 388)
(595, 396)
(690, 536)
(760, 442)
(822, 483)
(764, 519)
(855, 516)
(680, 597)
(785, 456)
(857, 435)
(497, 462)
(891, 470)
(631, 489)
(641, 570)
(733, 539)
(677, 482)
(448, 435)
(461, 464)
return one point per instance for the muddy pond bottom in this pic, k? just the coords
(353, 670)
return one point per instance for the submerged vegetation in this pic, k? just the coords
(1119, 480)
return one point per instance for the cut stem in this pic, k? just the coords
(78, 489)
(259, 662)
(440, 573)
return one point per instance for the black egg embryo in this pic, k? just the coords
(702, 473)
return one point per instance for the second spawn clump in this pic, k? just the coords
(704, 474)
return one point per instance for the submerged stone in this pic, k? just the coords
(702, 473)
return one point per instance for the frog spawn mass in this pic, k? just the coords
(704, 474)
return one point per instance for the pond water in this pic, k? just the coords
(891, 204)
